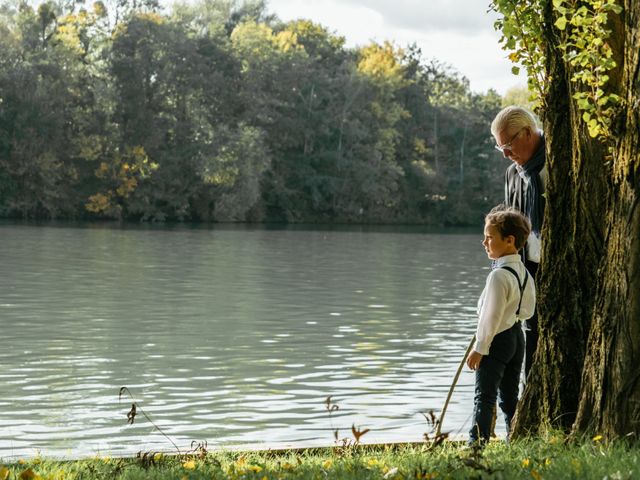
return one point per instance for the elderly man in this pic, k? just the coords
(520, 140)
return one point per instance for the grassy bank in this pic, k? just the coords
(549, 458)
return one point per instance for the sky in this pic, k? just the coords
(459, 33)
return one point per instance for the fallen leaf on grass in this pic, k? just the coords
(391, 473)
(29, 474)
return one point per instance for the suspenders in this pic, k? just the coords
(521, 286)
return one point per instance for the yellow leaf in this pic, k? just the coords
(327, 463)
(535, 475)
(4, 473)
(597, 438)
(255, 468)
(189, 465)
(525, 463)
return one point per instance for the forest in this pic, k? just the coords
(217, 111)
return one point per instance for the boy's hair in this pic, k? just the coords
(510, 221)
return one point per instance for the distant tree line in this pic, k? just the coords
(218, 111)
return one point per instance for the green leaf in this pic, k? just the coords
(614, 98)
(561, 23)
(583, 104)
(515, 70)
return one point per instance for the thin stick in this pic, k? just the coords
(125, 389)
(453, 386)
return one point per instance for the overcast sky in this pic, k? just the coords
(457, 32)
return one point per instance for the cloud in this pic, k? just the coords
(456, 32)
(358, 23)
(463, 16)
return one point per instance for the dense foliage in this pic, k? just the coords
(218, 111)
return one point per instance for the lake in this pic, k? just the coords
(233, 335)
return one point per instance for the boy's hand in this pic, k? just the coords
(473, 360)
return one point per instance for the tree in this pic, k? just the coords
(452, 127)
(585, 377)
(519, 95)
(48, 116)
(175, 94)
(219, 111)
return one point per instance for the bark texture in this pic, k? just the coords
(586, 375)
(610, 399)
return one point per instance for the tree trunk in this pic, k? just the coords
(610, 398)
(586, 376)
(435, 139)
(462, 141)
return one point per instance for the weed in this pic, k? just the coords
(148, 459)
(131, 415)
(433, 438)
(332, 407)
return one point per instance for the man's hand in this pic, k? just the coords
(473, 360)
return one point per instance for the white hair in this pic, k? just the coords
(513, 118)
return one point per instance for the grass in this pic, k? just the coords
(543, 458)
(551, 456)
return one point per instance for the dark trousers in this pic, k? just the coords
(498, 376)
(530, 328)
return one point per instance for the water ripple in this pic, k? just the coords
(232, 335)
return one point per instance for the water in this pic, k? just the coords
(233, 335)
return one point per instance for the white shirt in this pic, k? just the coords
(533, 246)
(499, 301)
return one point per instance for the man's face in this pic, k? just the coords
(515, 144)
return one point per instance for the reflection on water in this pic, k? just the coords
(230, 335)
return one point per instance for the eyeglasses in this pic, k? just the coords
(508, 145)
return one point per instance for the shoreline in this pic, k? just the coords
(278, 448)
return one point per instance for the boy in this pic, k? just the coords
(507, 298)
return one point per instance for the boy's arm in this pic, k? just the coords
(491, 311)
(473, 360)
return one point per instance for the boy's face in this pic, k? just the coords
(495, 244)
